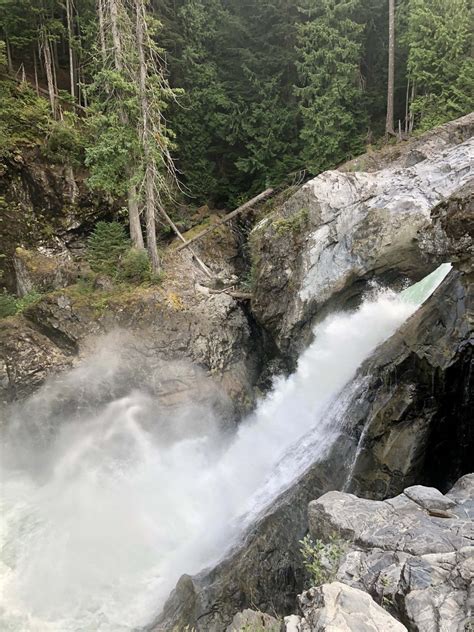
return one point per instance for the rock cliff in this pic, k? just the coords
(344, 230)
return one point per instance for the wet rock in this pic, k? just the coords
(27, 358)
(415, 410)
(337, 607)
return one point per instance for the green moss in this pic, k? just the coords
(291, 225)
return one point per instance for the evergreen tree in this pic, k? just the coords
(440, 61)
(330, 91)
(129, 152)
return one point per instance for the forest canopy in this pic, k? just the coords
(234, 95)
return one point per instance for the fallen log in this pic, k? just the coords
(244, 207)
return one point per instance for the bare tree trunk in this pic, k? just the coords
(100, 10)
(49, 72)
(151, 244)
(83, 92)
(412, 118)
(136, 234)
(391, 67)
(407, 106)
(35, 67)
(114, 23)
(9, 55)
(40, 56)
(150, 165)
(70, 34)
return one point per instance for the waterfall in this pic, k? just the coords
(101, 518)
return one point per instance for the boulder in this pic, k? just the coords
(337, 607)
(429, 498)
(252, 621)
(43, 270)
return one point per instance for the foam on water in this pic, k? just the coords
(96, 534)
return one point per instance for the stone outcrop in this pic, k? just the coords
(45, 206)
(345, 229)
(450, 235)
(44, 270)
(337, 607)
(415, 421)
(413, 553)
(407, 563)
(178, 322)
(251, 621)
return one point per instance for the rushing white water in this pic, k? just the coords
(99, 521)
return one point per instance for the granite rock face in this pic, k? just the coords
(46, 206)
(413, 553)
(346, 229)
(407, 563)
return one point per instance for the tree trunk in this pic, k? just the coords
(150, 165)
(49, 72)
(136, 234)
(35, 67)
(391, 67)
(114, 23)
(100, 10)
(70, 34)
(9, 55)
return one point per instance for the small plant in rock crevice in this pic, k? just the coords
(321, 559)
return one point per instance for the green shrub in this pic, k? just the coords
(106, 247)
(24, 117)
(321, 560)
(65, 143)
(293, 224)
(135, 266)
(7, 305)
(26, 301)
(11, 305)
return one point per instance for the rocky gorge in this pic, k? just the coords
(385, 219)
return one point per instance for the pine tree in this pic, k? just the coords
(330, 91)
(440, 61)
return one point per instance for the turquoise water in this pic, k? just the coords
(419, 292)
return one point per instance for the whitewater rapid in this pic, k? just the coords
(100, 516)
